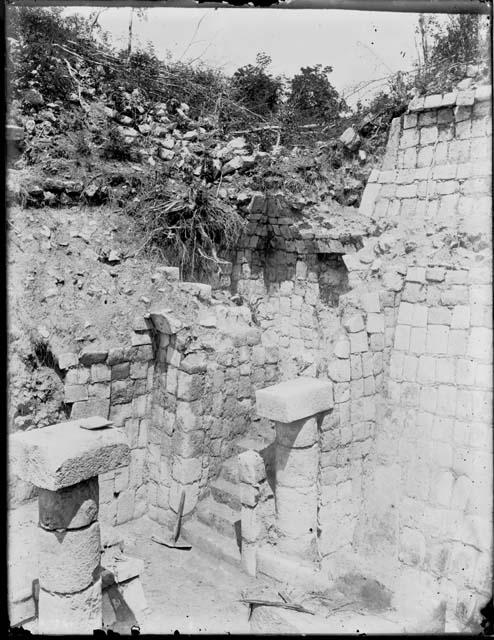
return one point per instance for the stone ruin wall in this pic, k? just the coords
(406, 453)
(204, 398)
(428, 498)
(182, 391)
(407, 449)
(300, 287)
(291, 280)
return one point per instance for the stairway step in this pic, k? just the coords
(219, 517)
(211, 542)
(229, 470)
(225, 492)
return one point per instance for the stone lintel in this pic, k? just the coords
(65, 454)
(294, 399)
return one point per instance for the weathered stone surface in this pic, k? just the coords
(190, 386)
(125, 568)
(293, 571)
(64, 454)
(249, 494)
(69, 614)
(249, 557)
(90, 408)
(92, 355)
(67, 360)
(21, 608)
(296, 467)
(133, 594)
(296, 435)
(296, 510)
(69, 508)
(165, 322)
(251, 468)
(350, 138)
(68, 559)
(294, 399)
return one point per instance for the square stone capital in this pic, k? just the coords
(294, 399)
(66, 453)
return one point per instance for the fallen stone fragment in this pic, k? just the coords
(350, 138)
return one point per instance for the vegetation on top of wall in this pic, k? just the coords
(88, 111)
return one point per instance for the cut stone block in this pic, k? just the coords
(21, 608)
(133, 594)
(297, 435)
(92, 355)
(70, 508)
(64, 454)
(296, 467)
(69, 614)
(294, 399)
(68, 560)
(125, 568)
(67, 360)
(89, 408)
(165, 322)
(296, 511)
(251, 467)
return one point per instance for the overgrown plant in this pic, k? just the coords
(447, 46)
(188, 226)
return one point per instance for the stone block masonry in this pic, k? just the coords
(290, 273)
(117, 383)
(202, 400)
(64, 462)
(427, 491)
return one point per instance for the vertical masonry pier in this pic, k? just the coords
(294, 406)
(64, 462)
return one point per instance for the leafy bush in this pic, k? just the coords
(312, 98)
(201, 87)
(448, 46)
(142, 69)
(256, 89)
(33, 58)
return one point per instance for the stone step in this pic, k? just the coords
(219, 517)
(229, 470)
(225, 492)
(211, 542)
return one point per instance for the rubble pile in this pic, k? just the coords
(96, 147)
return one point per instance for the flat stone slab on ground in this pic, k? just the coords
(294, 399)
(64, 454)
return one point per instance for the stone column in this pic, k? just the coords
(294, 405)
(64, 462)
(251, 473)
